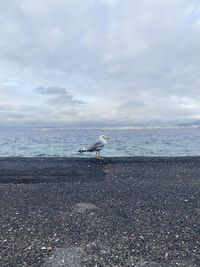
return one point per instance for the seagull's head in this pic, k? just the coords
(104, 137)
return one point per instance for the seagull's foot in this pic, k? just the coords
(99, 158)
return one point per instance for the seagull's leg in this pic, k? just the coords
(99, 156)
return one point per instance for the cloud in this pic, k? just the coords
(58, 96)
(122, 60)
(53, 91)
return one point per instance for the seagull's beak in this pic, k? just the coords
(108, 137)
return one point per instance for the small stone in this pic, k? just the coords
(49, 249)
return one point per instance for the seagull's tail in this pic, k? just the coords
(82, 150)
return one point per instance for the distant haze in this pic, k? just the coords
(99, 62)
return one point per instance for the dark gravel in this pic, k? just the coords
(75, 212)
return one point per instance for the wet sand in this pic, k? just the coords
(118, 212)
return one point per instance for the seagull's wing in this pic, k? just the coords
(96, 146)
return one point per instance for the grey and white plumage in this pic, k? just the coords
(96, 146)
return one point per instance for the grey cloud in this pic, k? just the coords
(133, 104)
(58, 96)
(13, 112)
(39, 113)
(52, 91)
(15, 108)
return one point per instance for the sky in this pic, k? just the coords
(99, 61)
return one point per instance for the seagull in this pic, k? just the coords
(96, 146)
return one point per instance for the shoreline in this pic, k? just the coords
(132, 211)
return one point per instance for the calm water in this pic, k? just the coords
(64, 142)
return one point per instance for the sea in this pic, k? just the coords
(62, 142)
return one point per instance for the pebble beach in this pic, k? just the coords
(134, 211)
